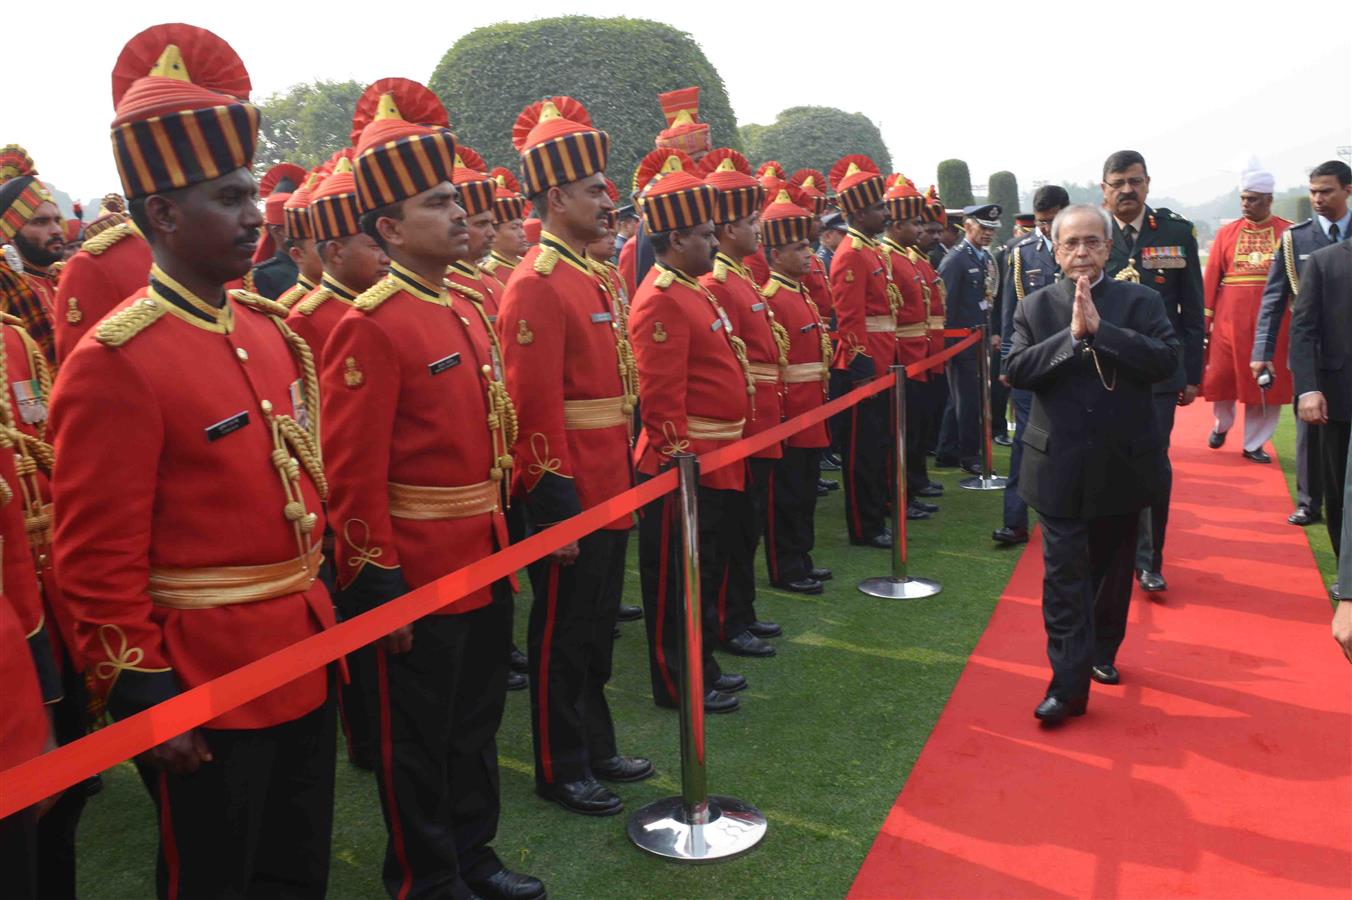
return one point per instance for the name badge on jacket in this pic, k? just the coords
(227, 426)
(446, 362)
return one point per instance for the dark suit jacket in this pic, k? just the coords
(1036, 267)
(1090, 451)
(1294, 249)
(1321, 329)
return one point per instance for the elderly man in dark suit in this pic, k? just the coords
(1090, 349)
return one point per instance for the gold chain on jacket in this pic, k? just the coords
(30, 453)
(738, 345)
(296, 445)
(1289, 258)
(624, 351)
(502, 421)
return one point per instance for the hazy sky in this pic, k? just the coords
(1046, 89)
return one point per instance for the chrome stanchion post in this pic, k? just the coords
(899, 585)
(987, 480)
(694, 827)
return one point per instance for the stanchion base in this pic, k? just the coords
(663, 829)
(982, 483)
(889, 588)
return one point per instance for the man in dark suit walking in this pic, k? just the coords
(1091, 349)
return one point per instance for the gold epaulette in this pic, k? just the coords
(125, 324)
(463, 291)
(771, 288)
(259, 303)
(291, 296)
(720, 271)
(858, 243)
(9, 319)
(106, 238)
(546, 261)
(489, 265)
(313, 302)
(55, 268)
(377, 294)
(664, 280)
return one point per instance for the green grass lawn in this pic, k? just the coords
(827, 734)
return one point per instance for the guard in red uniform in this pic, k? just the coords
(477, 192)
(695, 387)
(685, 130)
(33, 241)
(935, 219)
(788, 523)
(189, 545)
(112, 263)
(300, 237)
(866, 324)
(570, 369)
(418, 431)
(738, 201)
(509, 236)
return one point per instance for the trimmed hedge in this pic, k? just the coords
(815, 137)
(614, 67)
(1004, 190)
(306, 124)
(955, 184)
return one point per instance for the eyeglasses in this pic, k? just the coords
(1136, 181)
(1092, 244)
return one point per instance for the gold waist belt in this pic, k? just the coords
(800, 373)
(768, 372)
(212, 586)
(606, 412)
(912, 330)
(714, 429)
(416, 501)
(876, 324)
(936, 323)
(1244, 279)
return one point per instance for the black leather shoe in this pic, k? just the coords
(829, 463)
(1334, 592)
(762, 629)
(1003, 440)
(820, 573)
(1259, 456)
(929, 490)
(517, 682)
(588, 797)
(1105, 673)
(913, 514)
(1303, 516)
(517, 662)
(1217, 439)
(971, 468)
(729, 683)
(623, 768)
(1053, 709)
(1151, 582)
(1010, 535)
(828, 484)
(505, 884)
(822, 489)
(880, 541)
(629, 613)
(615, 635)
(745, 643)
(923, 506)
(802, 586)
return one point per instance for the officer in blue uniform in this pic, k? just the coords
(970, 281)
(1031, 265)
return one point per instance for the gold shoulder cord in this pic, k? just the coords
(30, 454)
(624, 351)
(822, 336)
(290, 437)
(502, 422)
(738, 348)
(1289, 257)
(1018, 274)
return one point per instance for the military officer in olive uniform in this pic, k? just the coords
(1157, 248)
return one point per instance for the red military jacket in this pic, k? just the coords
(189, 489)
(753, 322)
(809, 355)
(499, 267)
(294, 294)
(913, 312)
(693, 378)
(569, 371)
(756, 266)
(109, 268)
(818, 285)
(415, 469)
(315, 315)
(23, 722)
(467, 274)
(932, 287)
(859, 296)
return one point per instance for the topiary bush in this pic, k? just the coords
(815, 137)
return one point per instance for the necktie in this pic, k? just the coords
(1333, 233)
(1130, 234)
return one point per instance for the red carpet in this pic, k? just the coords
(1220, 767)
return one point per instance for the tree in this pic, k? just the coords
(306, 124)
(955, 184)
(1003, 189)
(614, 67)
(815, 137)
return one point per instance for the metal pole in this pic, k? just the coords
(987, 480)
(899, 585)
(694, 827)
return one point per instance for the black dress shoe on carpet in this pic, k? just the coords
(1105, 674)
(1217, 439)
(729, 683)
(587, 797)
(1053, 709)
(802, 586)
(517, 662)
(929, 490)
(516, 681)
(1151, 582)
(764, 629)
(820, 573)
(829, 463)
(744, 643)
(629, 613)
(505, 884)
(922, 506)
(1010, 535)
(623, 768)
(1259, 456)
(1003, 440)
(1303, 516)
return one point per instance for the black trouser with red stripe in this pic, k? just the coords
(865, 468)
(439, 706)
(918, 394)
(661, 570)
(790, 531)
(256, 821)
(570, 643)
(734, 607)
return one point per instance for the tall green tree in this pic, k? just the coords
(815, 137)
(955, 184)
(1003, 188)
(614, 67)
(307, 123)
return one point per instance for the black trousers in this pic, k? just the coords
(1086, 594)
(1155, 518)
(57, 829)
(440, 705)
(790, 532)
(661, 573)
(1016, 509)
(19, 855)
(570, 641)
(999, 399)
(918, 394)
(838, 385)
(1309, 465)
(864, 472)
(734, 609)
(254, 822)
(1333, 444)
(936, 406)
(356, 702)
(967, 393)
